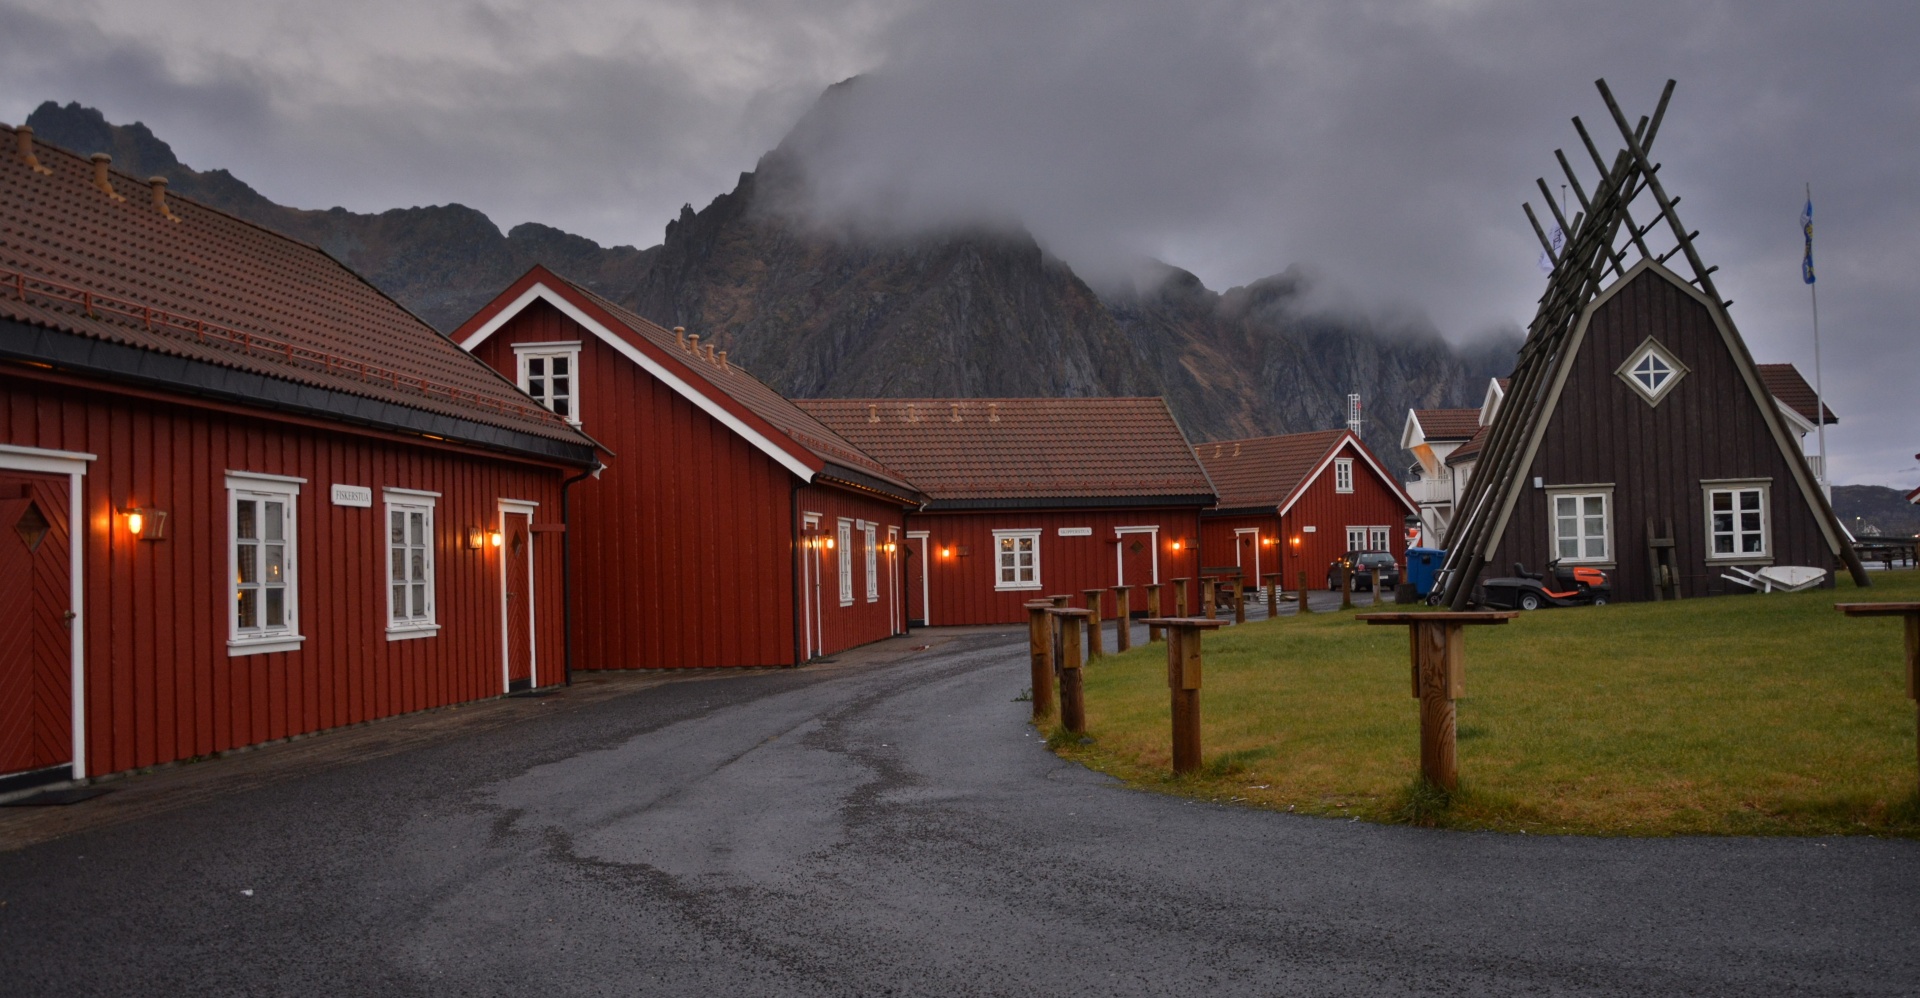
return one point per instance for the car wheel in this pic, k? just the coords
(1599, 601)
(1530, 601)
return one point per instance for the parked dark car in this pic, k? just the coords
(1366, 565)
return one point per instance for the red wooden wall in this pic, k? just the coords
(861, 621)
(686, 547)
(1218, 540)
(1372, 503)
(160, 684)
(961, 586)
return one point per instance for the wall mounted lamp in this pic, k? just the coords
(146, 523)
(496, 538)
(476, 538)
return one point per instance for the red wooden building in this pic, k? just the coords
(1032, 497)
(1296, 503)
(729, 528)
(244, 495)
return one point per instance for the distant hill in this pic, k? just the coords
(1867, 509)
(815, 314)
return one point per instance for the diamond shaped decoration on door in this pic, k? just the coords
(1135, 547)
(32, 527)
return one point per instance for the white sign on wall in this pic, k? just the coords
(1076, 531)
(1308, 530)
(352, 495)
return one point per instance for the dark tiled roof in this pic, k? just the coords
(1783, 381)
(1448, 424)
(1024, 449)
(217, 290)
(778, 410)
(1471, 449)
(1265, 471)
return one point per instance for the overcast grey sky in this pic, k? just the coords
(1387, 145)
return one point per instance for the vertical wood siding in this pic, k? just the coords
(1372, 503)
(961, 587)
(844, 627)
(160, 684)
(1706, 427)
(1218, 540)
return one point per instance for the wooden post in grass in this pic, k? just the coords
(1180, 597)
(1304, 609)
(1346, 585)
(1910, 611)
(1183, 680)
(1153, 610)
(1273, 593)
(1040, 644)
(1123, 604)
(1439, 667)
(1093, 625)
(1240, 600)
(1208, 595)
(1073, 703)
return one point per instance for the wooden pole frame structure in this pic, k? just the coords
(1183, 684)
(1437, 647)
(1911, 613)
(1073, 701)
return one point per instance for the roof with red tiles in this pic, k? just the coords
(195, 283)
(1009, 453)
(1471, 449)
(1272, 472)
(756, 411)
(1448, 424)
(1784, 382)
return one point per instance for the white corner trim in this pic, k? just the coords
(540, 292)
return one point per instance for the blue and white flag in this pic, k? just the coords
(1559, 241)
(1806, 226)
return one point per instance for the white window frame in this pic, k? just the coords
(1343, 475)
(260, 488)
(1735, 487)
(1580, 493)
(1651, 347)
(1000, 564)
(407, 502)
(845, 544)
(568, 351)
(870, 537)
(1385, 537)
(1356, 539)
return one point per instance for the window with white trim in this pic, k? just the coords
(550, 372)
(1017, 559)
(846, 562)
(1652, 371)
(1343, 474)
(1379, 538)
(872, 542)
(1582, 526)
(1737, 521)
(1356, 538)
(262, 561)
(409, 543)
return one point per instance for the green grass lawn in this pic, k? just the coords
(1737, 715)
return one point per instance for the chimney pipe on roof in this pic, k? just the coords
(693, 343)
(709, 353)
(25, 136)
(101, 161)
(956, 411)
(993, 412)
(1216, 450)
(873, 413)
(912, 417)
(159, 185)
(1236, 450)
(680, 335)
(723, 361)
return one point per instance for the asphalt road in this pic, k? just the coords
(893, 828)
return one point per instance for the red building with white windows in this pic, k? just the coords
(1295, 503)
(1032, 497)
(243, 495)
(729, 528)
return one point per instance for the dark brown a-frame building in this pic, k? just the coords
(1637, 435)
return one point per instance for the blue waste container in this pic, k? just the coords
(1422, 565)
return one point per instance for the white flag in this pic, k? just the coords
(1559, 241)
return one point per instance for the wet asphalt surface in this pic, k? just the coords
(896, 829)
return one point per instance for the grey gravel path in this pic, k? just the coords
(893, 828)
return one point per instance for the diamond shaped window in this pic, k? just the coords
(1652, 371)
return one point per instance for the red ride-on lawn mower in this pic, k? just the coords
(1577, 586)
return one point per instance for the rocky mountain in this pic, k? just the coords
(817, 312)
(1876, 511)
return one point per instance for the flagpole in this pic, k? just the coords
(1819, 396)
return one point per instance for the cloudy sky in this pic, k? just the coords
(1387, 145)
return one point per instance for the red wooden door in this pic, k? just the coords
(917, 555)
(519, 608)
(36, 648)
(1136, 562)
